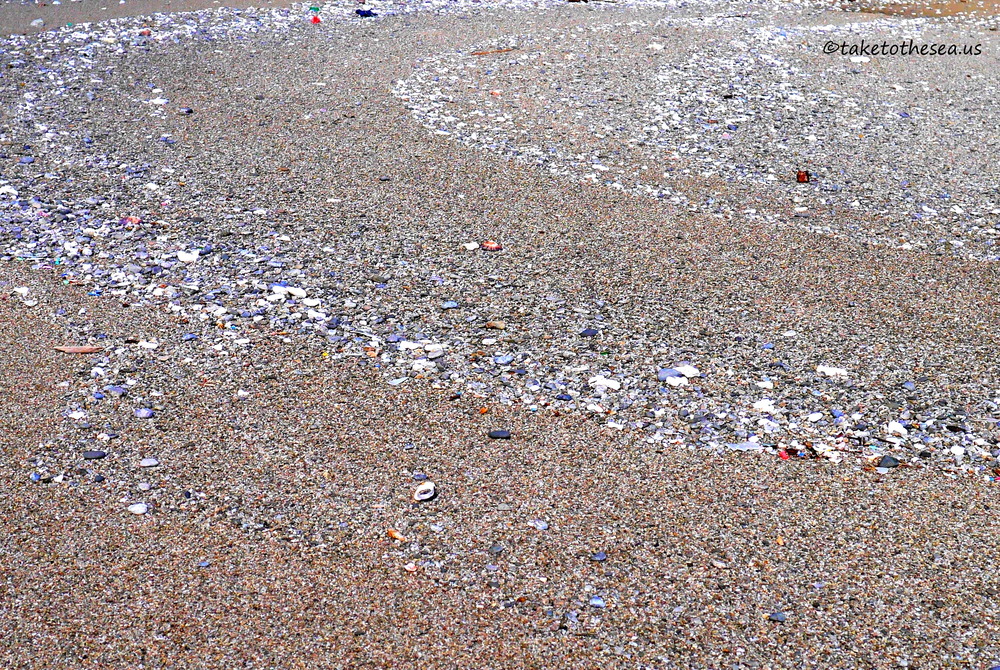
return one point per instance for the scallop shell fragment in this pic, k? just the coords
(425, 491)
(490, 245)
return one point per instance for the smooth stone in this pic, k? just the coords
(777, 616)
(499, 434)
(597, 601)
(888, 462)
(94, 455)
(144, 413)
(138, 508)
(148, 463)
(589, 332)
(599, 557)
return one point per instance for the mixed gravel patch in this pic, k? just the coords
(589, 311)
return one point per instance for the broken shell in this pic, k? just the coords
(80, 350)
(396, 535)
(424, 492)
(490, 245)
(496, 325)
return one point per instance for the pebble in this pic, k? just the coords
(778, 616)
(148, 463)
(499, 434)
(94, 455)
(888, 461)
(138, 508)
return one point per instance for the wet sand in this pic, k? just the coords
(979, 8)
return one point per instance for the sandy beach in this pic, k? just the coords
(739, 418)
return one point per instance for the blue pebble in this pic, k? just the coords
(144, 413)
(909, 386)
(597, 601)
(600, 556)
(503, 360)
(768, 346)
(188, 337)
(450, 304)
(588, 332)
(564, 396)
(666, 373)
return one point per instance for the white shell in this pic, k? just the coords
(138, 508)
(425, 491)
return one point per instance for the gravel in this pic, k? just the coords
(312, 264)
